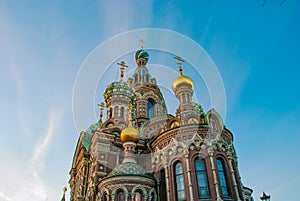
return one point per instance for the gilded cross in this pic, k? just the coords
(179, 62)
(101, 105)
(141, 43)
(122, 68)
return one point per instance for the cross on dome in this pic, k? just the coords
(141, 43)
(179, 62)
(122, 68)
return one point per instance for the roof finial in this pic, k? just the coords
(141, 43)
(63, 197)
(101, 105)
(179, 62)
(122, 68)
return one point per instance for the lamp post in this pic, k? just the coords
(265, 197)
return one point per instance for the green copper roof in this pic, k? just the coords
(127, 169)
(87, 140)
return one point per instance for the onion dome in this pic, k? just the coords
(141, 57)
(119, 89)
(182, 80)
(129, 134)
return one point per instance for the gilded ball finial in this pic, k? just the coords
(130, 134)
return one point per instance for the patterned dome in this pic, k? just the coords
(120, 89)
(127, 169)
(141, 54)
(182, 79)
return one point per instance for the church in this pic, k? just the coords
(137, 151)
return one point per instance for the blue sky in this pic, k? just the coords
(43, 44)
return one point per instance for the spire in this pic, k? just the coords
(63, 197)
(130, 134)
(122, 68)
(131, 112)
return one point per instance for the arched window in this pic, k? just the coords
(203, 188)
(213, 124)
(120, 195)
(163, 189)
(153, 197)
(122, 112)
(222, 176)
(116, 112)
(135, 78)
(104, 197)
(138, 196)
(188, 98)
(179, 178)
(150, 109)
(183, 98)
(110, 113)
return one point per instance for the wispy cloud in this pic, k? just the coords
(37, 160)
(28, 185)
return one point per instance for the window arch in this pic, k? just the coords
(188, 98)
(179, 180)
(214, 124)
(116, 111)
(138, 196)
(135, 78)
(150, 109)
(104, 197)
(222, 177)
(122, 112)
(201, 175)
(183, 98)
(120, 195)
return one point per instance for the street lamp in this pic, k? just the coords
(265, 197)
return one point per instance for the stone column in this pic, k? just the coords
(167, 180)
(189, 175)
(213, 167)
(233, 179)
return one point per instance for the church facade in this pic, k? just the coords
(141, 152)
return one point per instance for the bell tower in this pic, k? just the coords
(150, 102)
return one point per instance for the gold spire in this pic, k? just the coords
(101, 105)
(141, 43)
(130, 134)
(179, 62)
(122, 68)
(130, 112)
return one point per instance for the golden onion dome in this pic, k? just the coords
(182, 79)
(129, 134)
